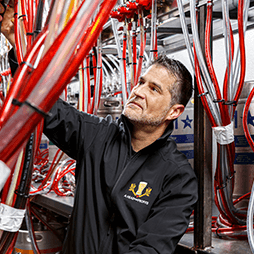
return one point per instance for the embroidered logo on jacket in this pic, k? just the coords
(141, 191)
(141, 187)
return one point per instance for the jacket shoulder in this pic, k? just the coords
(170, 152)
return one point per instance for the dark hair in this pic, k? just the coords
(181, 90)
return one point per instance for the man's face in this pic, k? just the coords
(149, 102)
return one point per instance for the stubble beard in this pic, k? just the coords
(145, 120)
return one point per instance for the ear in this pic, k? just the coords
(175, 111)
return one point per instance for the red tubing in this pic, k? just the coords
(89, 106)
(82, 106)
(141, 50)
(134, 46)
(16, 34)
(50, 169)
(18, 85)
(99, 68)
(225, 84)
(94, 79)
(201, 90)
(155, 44)
(228, 214)
(24, 13)
(29, 34)
(242, 50)
(6, 73)
(124, 58)
(223, 110)
(28, 118)
(245, 122)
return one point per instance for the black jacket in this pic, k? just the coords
(110, 215)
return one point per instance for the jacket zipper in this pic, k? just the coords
(120, 176)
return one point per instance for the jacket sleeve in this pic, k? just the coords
(169, 216)
(71, 130)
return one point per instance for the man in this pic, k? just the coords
(134, 190)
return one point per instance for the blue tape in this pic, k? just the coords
(244, 158)
(182, 139)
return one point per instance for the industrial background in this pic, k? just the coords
(213, 38)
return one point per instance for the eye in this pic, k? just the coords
(155, 89)
(141, 82)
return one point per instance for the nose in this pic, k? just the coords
(139, 91)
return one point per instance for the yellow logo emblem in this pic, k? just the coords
(141, 187)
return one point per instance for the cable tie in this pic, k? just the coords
(82, 68)
(30, 34)
(15, 14)
(28, 64)
(134, 63)
(224, 135)
(130, 63)
(21, 16)
(203, 94)
(230, 177)
(18, 103)
(141, 56)
(44, 114)
(11, 218)
(234, 103)
(21, 194)
(224, 185)
(121, 58)
(37, 31)
(218, 233)
(99, 67)
(153, 50)
(217, 101)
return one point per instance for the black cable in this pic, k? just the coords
(22, 191)
(38, 20)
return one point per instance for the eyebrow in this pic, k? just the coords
(155, 84)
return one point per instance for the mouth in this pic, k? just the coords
(131, 103)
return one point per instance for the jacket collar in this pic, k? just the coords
(126, 126)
